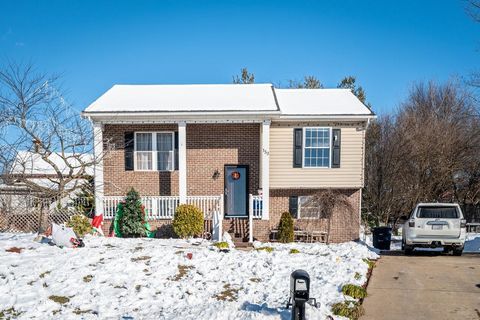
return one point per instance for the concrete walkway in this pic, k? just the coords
(424, 286)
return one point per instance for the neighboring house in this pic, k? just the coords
(31, 185)
(245, 153)
(28, 168)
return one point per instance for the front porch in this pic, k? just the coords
(162, 209)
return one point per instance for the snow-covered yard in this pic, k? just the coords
(155, 279)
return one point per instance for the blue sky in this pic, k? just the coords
(387, 45)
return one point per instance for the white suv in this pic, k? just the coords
(433, 225)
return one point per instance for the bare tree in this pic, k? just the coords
(39, 126)
(429, 152)
(244, 78)
(473, 9)
(323, 204)
(308, 82)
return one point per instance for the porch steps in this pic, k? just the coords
(238, 229)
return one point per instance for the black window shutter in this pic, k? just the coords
(297, 147)
(293, 206)
(336, 143)
(129, 148)
(175, 142)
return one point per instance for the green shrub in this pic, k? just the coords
(268, 249)
(354, 291)
(293, 251)
(349, 309)
(80, 224)
(285, 228)
(132, 219)
(358, 276)
(221, 245)
(188, 221)
(370, 263)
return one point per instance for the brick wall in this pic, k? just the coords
(209, 148)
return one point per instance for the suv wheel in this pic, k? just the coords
(457, 251)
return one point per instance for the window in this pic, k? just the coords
(437, 212)
(154, 151)
(316, 150)
(307, 208)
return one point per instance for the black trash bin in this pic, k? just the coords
(382, 236)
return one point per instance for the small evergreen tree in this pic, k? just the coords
(133, 219)
(285, 228)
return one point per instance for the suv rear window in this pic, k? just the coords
(437, 212)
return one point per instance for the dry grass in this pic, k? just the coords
(59, 299)
(182, 272)
(9, 314)
(141, 258)
(229, 294)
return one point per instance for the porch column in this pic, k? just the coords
(182, 161)
(98, 166)
(266, 169)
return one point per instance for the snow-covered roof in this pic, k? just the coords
(184, 98)
(228, 99)
(320, 101)
(30, 163)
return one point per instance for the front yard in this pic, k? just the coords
(115, 278)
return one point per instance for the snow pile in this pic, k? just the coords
(158, 279)
(472, 243)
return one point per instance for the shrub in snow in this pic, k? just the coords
(268, 249)
(131, 223)
(370, 263)
(188, 221)
(349, 309)
(293, 251)
(354, 291)
(221, 245)
(80, 224)
(285, 228)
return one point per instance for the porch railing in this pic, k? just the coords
(256, 203)
(256, 206)
(163, 207)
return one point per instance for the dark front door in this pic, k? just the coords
(236, 194)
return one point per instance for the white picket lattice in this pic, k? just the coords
(163, 207)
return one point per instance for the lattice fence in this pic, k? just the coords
(30, 213)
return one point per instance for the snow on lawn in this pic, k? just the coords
(115, 278)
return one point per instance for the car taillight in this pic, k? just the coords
(463, 223)
(411, 223)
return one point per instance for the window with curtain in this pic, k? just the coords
(154, 151)
(316, 150)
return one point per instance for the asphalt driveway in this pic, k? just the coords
(426, 286)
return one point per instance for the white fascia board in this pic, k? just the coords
(342, 117)
(175, 118)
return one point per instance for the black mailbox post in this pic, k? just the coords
(299, 293)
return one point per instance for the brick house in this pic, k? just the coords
(242, 153)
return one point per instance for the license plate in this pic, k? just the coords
(437, 227)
